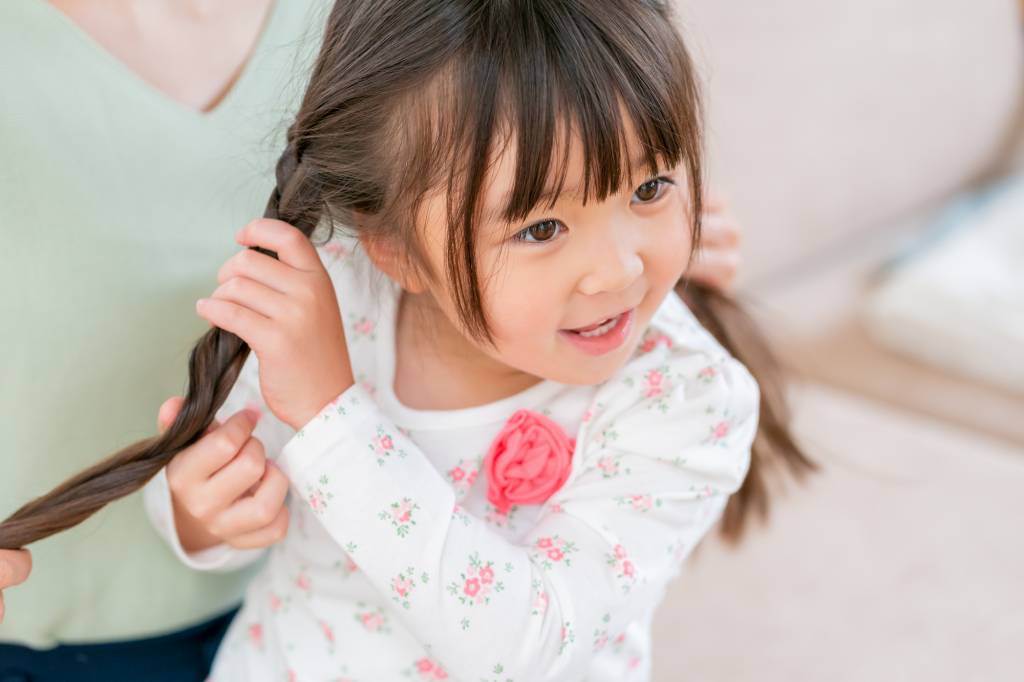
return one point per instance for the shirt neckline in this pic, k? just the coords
(488, 413)
(126, 72)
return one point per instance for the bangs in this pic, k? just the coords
(532, 78)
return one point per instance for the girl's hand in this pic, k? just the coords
(15, 565)
(717, 261)
(223, 488)
(287, 311)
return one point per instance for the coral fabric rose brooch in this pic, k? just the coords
(528, 461)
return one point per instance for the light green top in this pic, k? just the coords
(117, 207)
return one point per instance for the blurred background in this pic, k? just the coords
(873, 150)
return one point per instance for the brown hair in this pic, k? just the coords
(410, 96)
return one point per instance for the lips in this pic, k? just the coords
(598, 323)
(605, 337)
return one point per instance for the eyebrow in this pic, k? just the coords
(492, 214)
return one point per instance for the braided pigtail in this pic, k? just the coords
(213, 367)
(775, 451)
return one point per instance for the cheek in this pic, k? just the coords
(525, 306)
(670, 252)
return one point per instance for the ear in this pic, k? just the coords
(384, 255)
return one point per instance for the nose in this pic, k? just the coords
(614, 262)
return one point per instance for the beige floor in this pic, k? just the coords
(903, 560)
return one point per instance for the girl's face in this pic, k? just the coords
(568, 291)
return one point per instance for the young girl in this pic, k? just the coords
(500, 453)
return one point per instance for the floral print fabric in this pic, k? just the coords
(397, 566)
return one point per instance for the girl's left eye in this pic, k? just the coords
(651, 190)
(539, 233)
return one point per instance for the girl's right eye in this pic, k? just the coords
(539, 233)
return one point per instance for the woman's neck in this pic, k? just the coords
(437, 368)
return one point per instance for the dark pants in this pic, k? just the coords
(182, 656)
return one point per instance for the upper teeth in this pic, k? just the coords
(602, 329)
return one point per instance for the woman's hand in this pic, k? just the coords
(717, 261)
(15, 565)
(223, 488)
(287, 311)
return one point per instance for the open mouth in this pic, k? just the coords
(604, 336)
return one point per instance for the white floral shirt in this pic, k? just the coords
(396, 566)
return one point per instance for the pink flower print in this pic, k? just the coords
(587, 416)
(721, 430)
(292, 675)
(707, 374)
(371, 620)
(653, 340)
(400, 515)
(338, 251)
(640, 502)
(383, 446)
(328, 633)
(363, 327)
(477, 582)
(497, 517)
(540, 604)
(256, 635)
(556, 508)
(552, 549)
(302, 582)
(608, 465)
(457, 474)
(350, 566)
(401, 586)
(429, 670)
(654, 387)
(625, 569)
(275, 602)
(486, 575)
(319, 496)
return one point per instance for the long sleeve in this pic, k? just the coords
(663, 445)
(157, 494)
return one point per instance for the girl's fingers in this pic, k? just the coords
(251, 326)
(254, 295)
(264, 537)
(258, 266)
(192, 467)
(292, 247)
(253, 512)
(239, 475)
